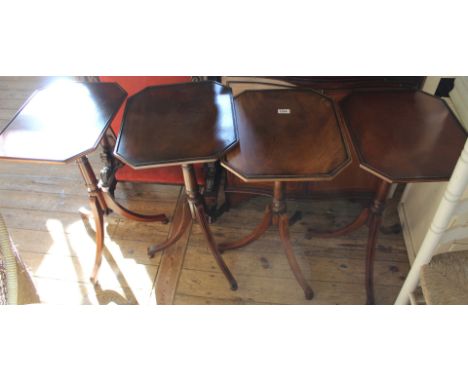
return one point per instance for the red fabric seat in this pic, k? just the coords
(169, 174)
(166, 175)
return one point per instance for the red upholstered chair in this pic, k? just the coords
(124, 173)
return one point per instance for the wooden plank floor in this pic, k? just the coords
(40, 205)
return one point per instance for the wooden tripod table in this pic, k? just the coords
(285, 135)
(181, 125)
(400, 136)
(63, 123)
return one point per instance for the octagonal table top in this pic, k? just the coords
(404, 135)
(287, 135)
(191, 122)
(61, 122)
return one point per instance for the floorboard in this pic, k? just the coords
(172, 258)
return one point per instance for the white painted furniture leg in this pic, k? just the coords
(439, 225)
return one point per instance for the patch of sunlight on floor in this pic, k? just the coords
(62, 275)
(60, 292)
(57, 234)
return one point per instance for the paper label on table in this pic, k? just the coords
(284, 111)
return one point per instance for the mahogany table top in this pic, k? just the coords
(191, 122)
(404, 136)
(61, 122)
(287, 134)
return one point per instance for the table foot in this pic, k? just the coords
(293, 264)
(353, 226)
(254, 235)
(152, 250)
(121, 210)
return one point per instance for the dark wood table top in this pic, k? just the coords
(61, 122)
(164, 125)
(287, 134)
(404, 136)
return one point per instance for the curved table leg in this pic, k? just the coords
(353, 226)
(98, 216)
(176, 236)
(254, 235)
(121, 210)
(284, 235)
(201, 217)
(101, 201)
(198, 208)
